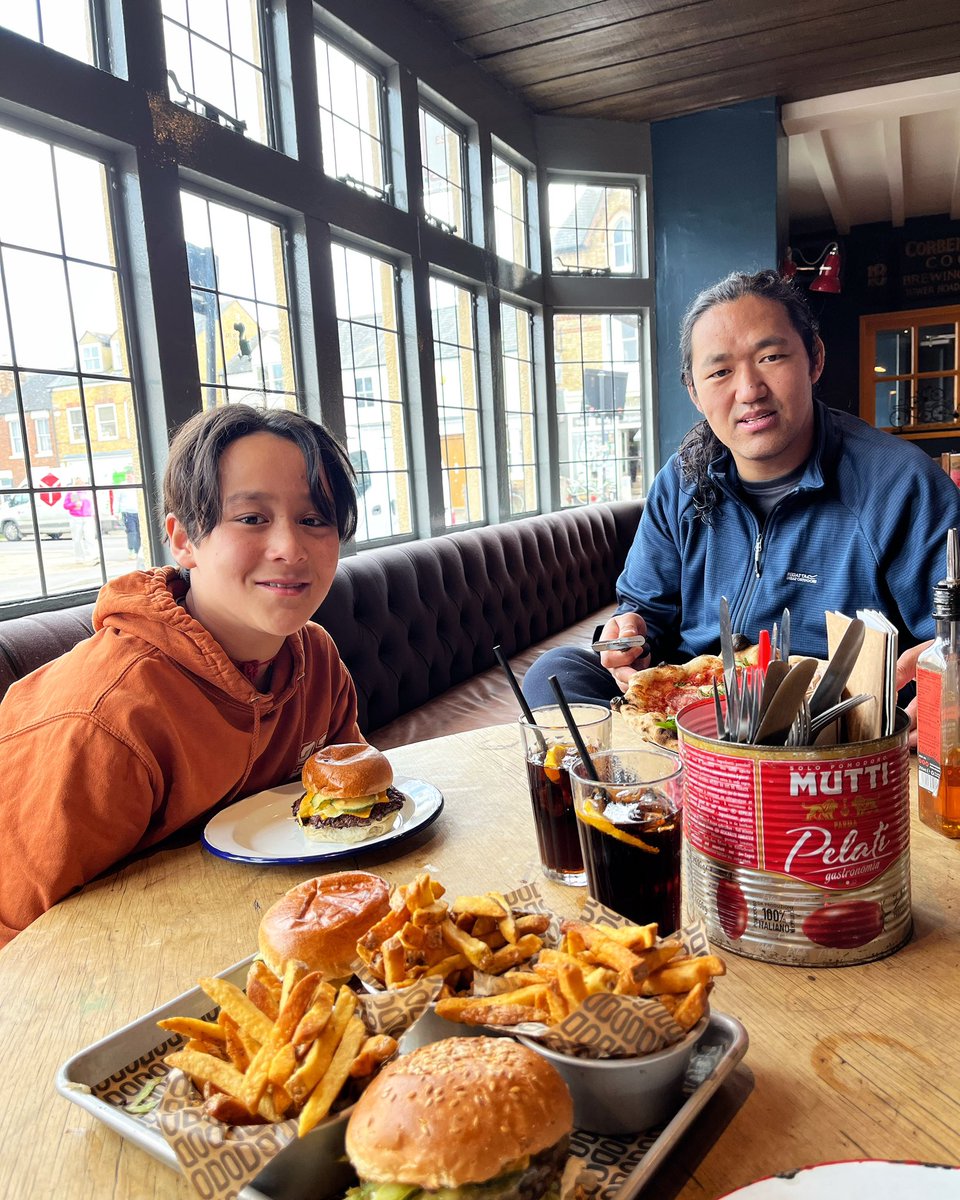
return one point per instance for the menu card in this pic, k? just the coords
(874, 673)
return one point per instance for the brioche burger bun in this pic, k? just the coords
(348, 794)
(475, 1117)
(320, 921)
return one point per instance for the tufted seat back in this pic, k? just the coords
(28, 642)
(412, 621)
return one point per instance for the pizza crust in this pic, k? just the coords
(647, 724)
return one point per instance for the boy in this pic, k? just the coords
(202, 682)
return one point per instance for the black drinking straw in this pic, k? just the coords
(521, 699)
(572, 726)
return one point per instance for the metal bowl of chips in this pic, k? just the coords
(625, 1095)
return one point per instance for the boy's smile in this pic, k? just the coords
(263, 571)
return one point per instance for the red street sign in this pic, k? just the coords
(50, 498)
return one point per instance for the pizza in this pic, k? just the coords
(655, 696)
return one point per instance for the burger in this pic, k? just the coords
(320, 921)
(471, 1116)
(348, 794)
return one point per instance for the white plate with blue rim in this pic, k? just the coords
(859, 1179)
(261, 829)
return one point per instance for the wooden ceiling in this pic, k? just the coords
(646, 60)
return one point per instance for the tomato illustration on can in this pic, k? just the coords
(846, 924)
(732, 912)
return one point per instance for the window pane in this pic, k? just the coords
(510, 212)
(245, 350)
(441, 152)
(592, 228)
(373, 392)
(351, 122)
(892, 352)
(28, 215)
(63, 25)
(893, 404)
(461, 454)
(518, 388)
(936, 348)
(213, 48)
(599, 406)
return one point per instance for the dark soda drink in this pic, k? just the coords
(631, 850)
(555, 821)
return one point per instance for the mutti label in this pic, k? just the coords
(834, 824)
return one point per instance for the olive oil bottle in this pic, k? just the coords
(938, 706)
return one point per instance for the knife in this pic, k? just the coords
(838, 669)
(786, 701)
(729, 670)
(785, 635)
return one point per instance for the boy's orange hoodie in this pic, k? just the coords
(141, 729)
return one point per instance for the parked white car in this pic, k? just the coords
(52, 521)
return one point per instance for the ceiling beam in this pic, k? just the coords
(827, 178)
(893, 166)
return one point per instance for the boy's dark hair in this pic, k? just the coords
(191, 482)
(700, 447)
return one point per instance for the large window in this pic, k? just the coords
(373, 392)
(215, 62)
(64, 25)
(442, 156)
(592, 228)
(351, 119)
(519, 408)
(279, 204)
(909, 371)
(241, 314)
(70, 431)
(510, 211)
(458, 402)
(599, 406)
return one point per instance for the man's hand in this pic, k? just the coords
(622, 664)
(906, 672)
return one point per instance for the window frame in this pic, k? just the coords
(429, 106)
(631, 183)
(511, 161)
(351, 51)
(912, 320)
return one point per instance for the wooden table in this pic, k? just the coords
(843, 1063)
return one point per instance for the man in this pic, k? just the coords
(202, 682)
(773, 500)
(128, 505)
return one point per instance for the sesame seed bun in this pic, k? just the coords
(458, 1111)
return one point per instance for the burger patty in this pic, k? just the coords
(348, 820)
(544, 1170)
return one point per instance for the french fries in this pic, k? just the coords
(590, 959)
(290, 1047)
(425, 935)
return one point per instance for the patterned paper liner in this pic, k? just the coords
(219, 1160)
(607, 1025)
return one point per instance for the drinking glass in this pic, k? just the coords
(630, 825)
(550, 752)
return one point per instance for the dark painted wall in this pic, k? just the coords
(715, 210)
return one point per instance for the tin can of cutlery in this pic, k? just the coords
(797, 855)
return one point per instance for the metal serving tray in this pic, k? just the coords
(107, 1075)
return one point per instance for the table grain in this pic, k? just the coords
(850, 1062)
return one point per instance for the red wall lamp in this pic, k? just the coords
(826, 264)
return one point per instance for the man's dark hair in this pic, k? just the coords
(700, 447)
(191, 482)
